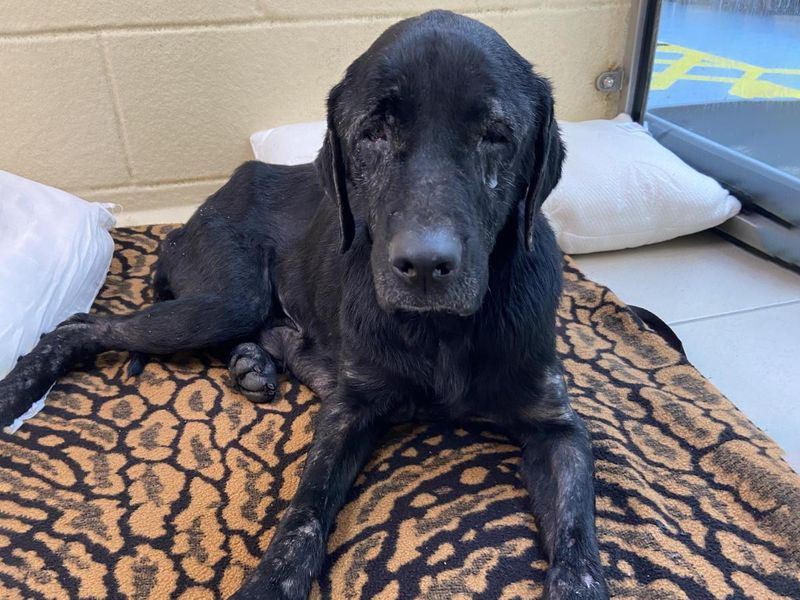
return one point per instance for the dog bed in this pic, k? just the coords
(169, 485)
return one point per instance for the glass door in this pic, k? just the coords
(724, 94)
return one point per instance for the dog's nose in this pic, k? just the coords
(423, 258)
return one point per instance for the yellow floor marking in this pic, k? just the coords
(747, 85)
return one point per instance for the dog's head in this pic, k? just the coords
(438, 137)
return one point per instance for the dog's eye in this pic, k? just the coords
(495, 136)
(376, 132)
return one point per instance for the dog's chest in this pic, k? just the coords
(442, 369)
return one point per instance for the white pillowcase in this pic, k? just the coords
(295, 144)
(55, 250)
(620, 188)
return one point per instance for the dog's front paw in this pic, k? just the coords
(253, 373)
(581, 581)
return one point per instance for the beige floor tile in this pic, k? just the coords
(692, 277)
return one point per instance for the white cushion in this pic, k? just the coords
(55, 250)
(295, 144)
(620, 188)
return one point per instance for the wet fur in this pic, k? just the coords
(260, 267)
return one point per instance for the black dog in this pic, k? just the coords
(407, 273)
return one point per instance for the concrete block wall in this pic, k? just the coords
(150, 104)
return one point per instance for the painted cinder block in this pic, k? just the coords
(18, 16)
(322, 9)
(57, 121)
(190, 108)
(571, 47)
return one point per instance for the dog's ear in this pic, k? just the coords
(331, 168)
(548, 154)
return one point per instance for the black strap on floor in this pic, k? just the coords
(655, 324)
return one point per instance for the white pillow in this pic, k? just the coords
(620, 188)
(55, 250)
(290, 144)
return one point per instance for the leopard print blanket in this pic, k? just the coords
(170, 485)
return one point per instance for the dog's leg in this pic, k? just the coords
(558, 470)
(557, 467)
(137, 361)
(344, 437)
(165, 327)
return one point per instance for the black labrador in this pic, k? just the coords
(406, 273)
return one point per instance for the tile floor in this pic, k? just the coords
(737, 314)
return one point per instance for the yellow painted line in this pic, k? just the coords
(747, 85)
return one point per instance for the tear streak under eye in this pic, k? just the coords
(490, 174)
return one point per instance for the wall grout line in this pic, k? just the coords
(82, 32)
(735, 312)
(121, 129)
